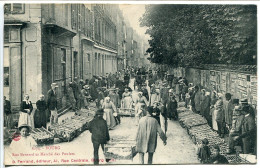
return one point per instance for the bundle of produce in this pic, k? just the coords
(185, 113)
(181, 104)
(42, 136)
(193, 120)
(63, 132)
(236, 159)
(200, 128)
(181, 109)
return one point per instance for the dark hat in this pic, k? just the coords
(24, 126)
(99, 112)
(244, 101)
(150, 110)
(205, 141)
(235, 101)
(228, 95)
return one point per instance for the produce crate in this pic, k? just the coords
(120, 149)
(126, 112)
(42, 136)
(235, 159)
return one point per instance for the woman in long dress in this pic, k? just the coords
(155, 94)
(127, 99)
(141, 104)
(212, 109)
(202, 102)
(26, 116)
(40, 119)
(109, 109)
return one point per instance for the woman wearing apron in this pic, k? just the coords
(141, 104)
(212, 109)
(26, 116)
(127, 99)
(155, 94)
(109, 109)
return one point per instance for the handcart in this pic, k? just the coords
(130, 112)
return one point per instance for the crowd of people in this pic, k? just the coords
(158, 95)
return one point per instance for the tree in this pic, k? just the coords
(188, 35)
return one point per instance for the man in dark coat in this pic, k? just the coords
(145, 91)
(170, 79)
(100, 135)
(92, 80)
(52, 103)
(229, 107)
(248, 134)
(171, 106)
(93, 90)
(126, 79)
(7, 113)
(235, 131)
(75, 87)
(146, 137)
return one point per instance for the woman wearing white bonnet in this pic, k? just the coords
(109, 109)
(219, 111)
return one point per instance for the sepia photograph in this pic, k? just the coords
(129, 84)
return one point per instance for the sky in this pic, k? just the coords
(132, 12)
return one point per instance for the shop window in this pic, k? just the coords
(88, 57)
(6, 34)
(14, 8)
(74, 16)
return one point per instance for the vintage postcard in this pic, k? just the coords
(115, 84)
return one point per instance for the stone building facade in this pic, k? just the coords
(46, 43)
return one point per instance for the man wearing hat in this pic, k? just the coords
(248, 134)
(145, 91)
(76, 90)
(170, 79)
(164, 93)
(171, 106)
(235, 131)
(228, 109)
(146, 138)
(100, 134)
(71, 97)
(52, 103)
(85, 96)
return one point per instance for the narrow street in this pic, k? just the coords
(179, 146)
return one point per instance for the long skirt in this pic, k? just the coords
(127, 102)
(27, 119)
(164, 123)
(40, 119)
(108, 116)
(154, 97)
(214, 122)
(8, 120)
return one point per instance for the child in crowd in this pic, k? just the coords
(23, 140)
(217, 158)
(204, 151)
